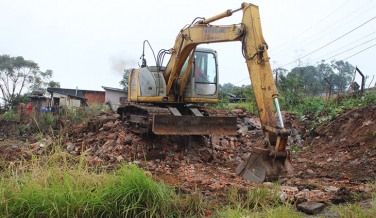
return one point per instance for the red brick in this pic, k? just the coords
(95, 97)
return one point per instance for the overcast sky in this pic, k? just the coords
(89, 43)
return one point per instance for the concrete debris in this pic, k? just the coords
(310, 207)
(331, 189)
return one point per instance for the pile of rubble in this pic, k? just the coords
(209, 162)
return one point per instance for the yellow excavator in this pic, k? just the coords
(165, 100)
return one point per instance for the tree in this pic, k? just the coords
(345, 71)
(53, 84)
(124, 81)
(279, 72)
(227, 87)
(24, 98)
(241, 92)
(16, 74)
(324, 70)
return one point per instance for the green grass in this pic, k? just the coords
(294, 148)
(62, 186)
(132, 194)
(356, 210)
(258, 202)
(363, 207)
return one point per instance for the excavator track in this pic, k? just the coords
(139, 118)
(161, 120)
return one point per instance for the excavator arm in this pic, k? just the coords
(254, 49)
(273, 158)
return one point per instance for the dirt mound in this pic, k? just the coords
(344, 148)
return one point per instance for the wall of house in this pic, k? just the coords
(40, 102)
(114, 97)
(95, 97)
(67, 101)
(63, 99)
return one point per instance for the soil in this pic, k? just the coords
(343, 148)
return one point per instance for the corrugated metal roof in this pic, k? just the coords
(72, 92)
(112, 89)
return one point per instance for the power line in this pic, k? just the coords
(350, 49)
(331, 41)
(242, 80)
(313, 25)
(359, 52)
(347, 16)
(347, 45)
(236, 67)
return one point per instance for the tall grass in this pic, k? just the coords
(132, 194)
(63, 186)
(257, 202)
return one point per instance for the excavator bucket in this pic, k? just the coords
(260, 166)
(191, 125)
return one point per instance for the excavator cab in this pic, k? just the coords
(202, 82)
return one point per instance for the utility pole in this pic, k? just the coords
(276, 78)
(330, 85)
(362, 86)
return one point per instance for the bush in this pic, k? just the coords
(9, 116)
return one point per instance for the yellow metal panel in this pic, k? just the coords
(183, 80)
(129, 85)
(259, 67)
(134, 85)
(200, 100)
(151, 99)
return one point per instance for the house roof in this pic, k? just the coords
(112, 89)
(231, 95)
(71, 92)
(38, 97)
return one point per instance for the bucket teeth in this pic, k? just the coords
(260, 166)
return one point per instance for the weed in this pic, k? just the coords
(47, 118)
(283, 211)
(21, 129)
(355, 210)
(294, 148)
(9, 116)
(193, 204)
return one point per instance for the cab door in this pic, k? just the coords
(205, 74)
